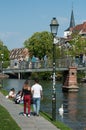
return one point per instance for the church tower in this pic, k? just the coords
(72, 21)
(67, 32)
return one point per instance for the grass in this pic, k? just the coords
(4, 92)
(6, 121)
(58, 124)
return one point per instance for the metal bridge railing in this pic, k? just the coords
(60, 63)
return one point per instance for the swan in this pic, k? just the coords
(61, 110)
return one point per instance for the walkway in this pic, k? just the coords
(25, 123)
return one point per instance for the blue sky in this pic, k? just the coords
(20, 19)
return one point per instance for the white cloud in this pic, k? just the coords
(63, 20)
(7, 35)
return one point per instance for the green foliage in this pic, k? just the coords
(41, 75)
(4, 54)
(40, 44)
(78, 44)
(45, 75)
(4, 50)
(4, 91)
(58, 124)
(33, 75)
(6, 121)
(80, 75)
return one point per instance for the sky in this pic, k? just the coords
(20, 19)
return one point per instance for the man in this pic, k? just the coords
(37, 95)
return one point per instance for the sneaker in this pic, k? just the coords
(28, 115)
(34, 114)
(37, 115)
(24, 114)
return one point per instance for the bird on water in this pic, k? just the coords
(61, 111)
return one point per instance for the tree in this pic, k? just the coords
(78, 44)
(39, 44)
(4, 53)
(4, 50)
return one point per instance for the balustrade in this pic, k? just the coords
(60, 63)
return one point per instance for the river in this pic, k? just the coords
(74, 103)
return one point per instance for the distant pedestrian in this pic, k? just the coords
(45, 61)
(81, 58)
(84, 59)
(37, 95)
(26, 94)
(33, 61)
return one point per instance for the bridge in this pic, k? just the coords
(25, 70)
(41, 66)
(68, 66)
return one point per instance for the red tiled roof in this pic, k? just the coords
(19, 52)
(80, 28)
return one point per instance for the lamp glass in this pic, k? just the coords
(54, 26)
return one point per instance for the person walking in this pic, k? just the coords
(26, 94)
(37, 93)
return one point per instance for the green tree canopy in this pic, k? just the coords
(39, 44)
(4, 50)
(78, 44)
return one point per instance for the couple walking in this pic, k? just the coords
(36, 92)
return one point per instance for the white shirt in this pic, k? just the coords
(12, 94)
(36, 88)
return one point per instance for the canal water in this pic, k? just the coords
(74, 103)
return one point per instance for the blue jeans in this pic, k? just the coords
(36, 105)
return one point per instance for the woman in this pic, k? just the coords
(26, 94)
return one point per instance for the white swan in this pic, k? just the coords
(61, 111)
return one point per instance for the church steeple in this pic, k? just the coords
(72, 21)
(67, 32)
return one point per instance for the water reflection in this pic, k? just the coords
(74, 104)
(71, 104)
(70, 109)
(75, 109)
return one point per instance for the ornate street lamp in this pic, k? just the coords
(54, 27)
(2, 56)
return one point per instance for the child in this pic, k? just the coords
(11, 94)
(18, 97)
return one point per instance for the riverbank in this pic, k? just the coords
(25, 123)
(73, 103)
(47, 118)
(2, 76)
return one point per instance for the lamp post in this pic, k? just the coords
(2, 56)
(54, 27)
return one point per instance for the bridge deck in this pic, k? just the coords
(25, 70)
